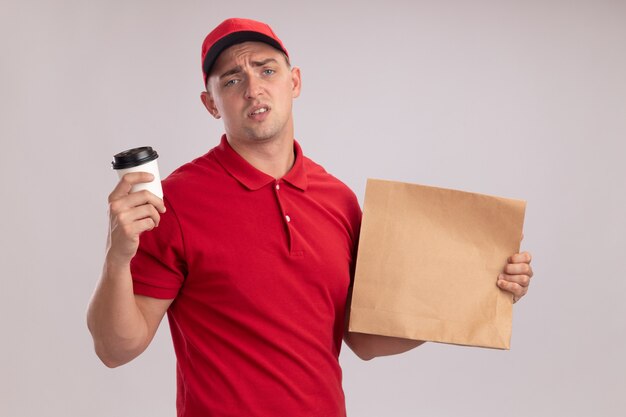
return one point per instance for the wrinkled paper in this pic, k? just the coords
(428, 262)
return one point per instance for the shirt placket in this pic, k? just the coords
(287, 214)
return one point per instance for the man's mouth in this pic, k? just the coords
(259, 110)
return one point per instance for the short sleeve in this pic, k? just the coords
(159, 268)
(356, 216)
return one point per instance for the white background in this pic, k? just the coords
(523, 99)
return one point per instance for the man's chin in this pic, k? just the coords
(261, 135)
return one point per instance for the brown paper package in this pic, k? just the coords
(428, 261)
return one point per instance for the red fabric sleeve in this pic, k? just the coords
(356, 216)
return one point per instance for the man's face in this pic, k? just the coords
(251, 88)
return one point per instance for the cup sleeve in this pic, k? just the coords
(159, 268)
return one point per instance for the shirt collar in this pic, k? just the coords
(252, 178)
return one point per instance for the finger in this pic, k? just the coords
(146, 197)
(139, 213)
(517, 290)
(524, 257)
(522, 280)
(134, 229)
(146, 224)
(135, 199)
(126, 183)
(518, 269)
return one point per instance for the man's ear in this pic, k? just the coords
(209, 103)
(296, 82)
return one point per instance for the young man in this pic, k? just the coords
(251, 253)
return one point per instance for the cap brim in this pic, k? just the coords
(233, 39)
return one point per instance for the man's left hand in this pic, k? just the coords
(516, 275)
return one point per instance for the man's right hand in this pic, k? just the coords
(131, 214)
(122, 323)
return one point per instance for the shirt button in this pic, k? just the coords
(278, 186)
(287, 218)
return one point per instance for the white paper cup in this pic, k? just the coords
(142, 159)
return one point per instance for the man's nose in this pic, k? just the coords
(253, 87)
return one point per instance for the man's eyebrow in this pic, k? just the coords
(264, 62)
(238, 68)
(232, 71)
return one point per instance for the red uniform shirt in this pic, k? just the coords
(259, 269)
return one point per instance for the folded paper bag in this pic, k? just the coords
(428, 263)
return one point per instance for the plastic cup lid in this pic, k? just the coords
(134, 157)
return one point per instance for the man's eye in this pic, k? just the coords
(268, 71)
(230, 82)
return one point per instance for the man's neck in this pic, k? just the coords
(273, 157)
